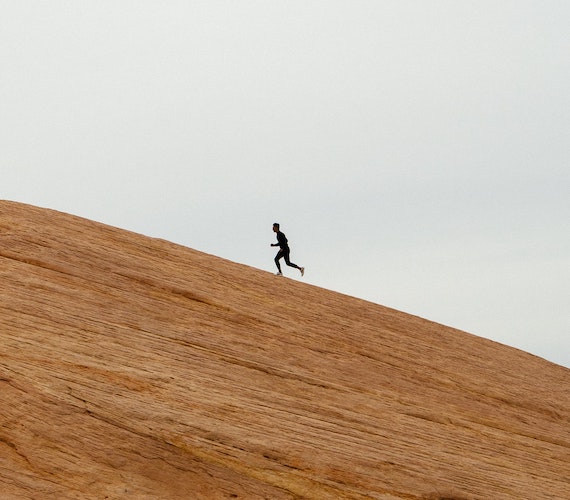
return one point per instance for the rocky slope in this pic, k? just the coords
(131, 367)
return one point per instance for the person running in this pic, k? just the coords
(284, 251)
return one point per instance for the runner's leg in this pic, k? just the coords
(277, 257)
(287, 261)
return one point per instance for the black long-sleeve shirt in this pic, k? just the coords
(282, 241)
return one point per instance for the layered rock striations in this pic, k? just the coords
(131, 367)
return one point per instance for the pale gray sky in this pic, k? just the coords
(416, 153)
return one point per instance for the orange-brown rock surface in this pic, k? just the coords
(134, 368)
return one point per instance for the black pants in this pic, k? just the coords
(284, 253)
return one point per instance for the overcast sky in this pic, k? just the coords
(416, 153)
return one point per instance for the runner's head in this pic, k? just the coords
(275, 227)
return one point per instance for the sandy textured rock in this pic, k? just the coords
(131, 367)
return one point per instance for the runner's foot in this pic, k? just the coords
(302, 271)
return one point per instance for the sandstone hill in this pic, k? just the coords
(133, 368)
